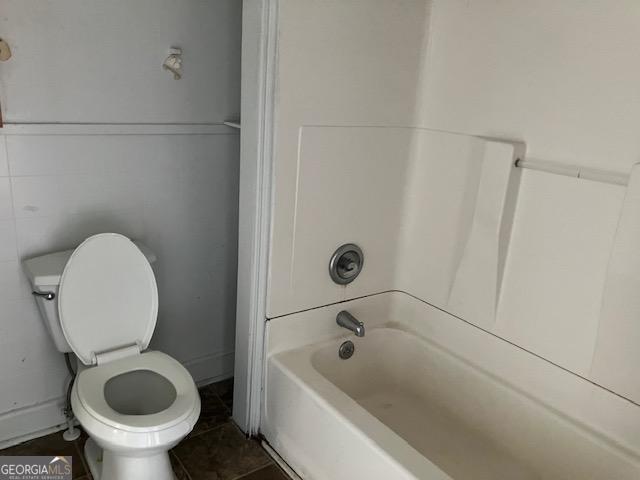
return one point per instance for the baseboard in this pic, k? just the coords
(20, 425)
(211, 368)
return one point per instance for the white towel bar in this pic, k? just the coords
(575, 171)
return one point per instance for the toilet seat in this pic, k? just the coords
(107, 298)
(90, 388)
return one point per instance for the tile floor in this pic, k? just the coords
(214, 450)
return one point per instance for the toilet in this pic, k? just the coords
(134, 404)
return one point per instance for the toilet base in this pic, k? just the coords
(93, 456)
(106, 465)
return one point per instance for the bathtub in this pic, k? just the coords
(408, 406)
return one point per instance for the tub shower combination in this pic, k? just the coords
(407, 405)
(405, 374)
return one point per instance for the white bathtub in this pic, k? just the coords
(405, 407)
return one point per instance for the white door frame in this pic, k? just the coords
(259, 36)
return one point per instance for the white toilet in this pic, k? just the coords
(135, 405)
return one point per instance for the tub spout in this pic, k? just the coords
(348, 321)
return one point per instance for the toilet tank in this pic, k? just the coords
(44, 273)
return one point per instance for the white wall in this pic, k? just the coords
(562, 76)
(353, 63)
(351, 165)
(172, 186)
(95, 61)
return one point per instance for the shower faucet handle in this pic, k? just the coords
(346, 263)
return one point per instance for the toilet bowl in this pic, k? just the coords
(134, 404)
(134, 409)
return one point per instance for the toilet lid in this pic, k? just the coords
(108, 298)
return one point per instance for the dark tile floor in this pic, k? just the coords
(215, 450)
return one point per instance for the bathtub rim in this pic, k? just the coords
(609, 416)
(372, 430)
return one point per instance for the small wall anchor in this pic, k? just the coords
(5, 51)
(173, 62)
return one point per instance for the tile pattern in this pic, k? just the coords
(175, 193)
(215, 450)
(221, 454)
(271, 472)
(213, 412)
(224, 390)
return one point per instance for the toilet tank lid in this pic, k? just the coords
(45, 270)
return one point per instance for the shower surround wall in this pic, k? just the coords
(559, 76)
(359, 160)
(131, 154)
(340, 64)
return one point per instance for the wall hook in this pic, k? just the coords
(5, 51)
(173, 62)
